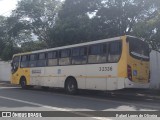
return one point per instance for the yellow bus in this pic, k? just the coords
(109, 64)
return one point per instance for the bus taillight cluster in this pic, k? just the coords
(129, 71)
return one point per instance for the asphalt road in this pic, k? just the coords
(17, 99)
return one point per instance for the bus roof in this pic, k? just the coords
(75, 45)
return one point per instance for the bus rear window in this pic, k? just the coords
(138, 49)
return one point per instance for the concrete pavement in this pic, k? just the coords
(17, 99)
(141, 93)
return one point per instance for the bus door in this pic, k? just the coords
(14, 70)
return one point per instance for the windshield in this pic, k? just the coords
(138, 49)
(15, 63)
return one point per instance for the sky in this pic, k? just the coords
(6, 7)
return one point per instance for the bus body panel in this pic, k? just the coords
(122, 64)
(76, 71)
(52, 79)
(16, 77)
(99, 75)
(130, 84)
(93, 80)
(140, 70)
(37, 76)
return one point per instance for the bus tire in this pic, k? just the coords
(23, 83)
(71, 86)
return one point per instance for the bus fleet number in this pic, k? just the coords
(105, 68)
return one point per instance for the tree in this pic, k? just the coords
(9, 30)
(31, 18)
(2, 26)
(40, 15)
(150, 31)
(74, 23)
(81, 21)
(33, 45)
(8, 52)
(149, 27)
(77, 21)
(118, 17)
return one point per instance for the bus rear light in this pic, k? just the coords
(129, 71)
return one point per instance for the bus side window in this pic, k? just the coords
(33, 60)
(115, 50)
(24, 61)
(97, 53)
(52, 58)
(64, 57)
(79, 55)
(41, 60)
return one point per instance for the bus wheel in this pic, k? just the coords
(71, 86)
(23, 83)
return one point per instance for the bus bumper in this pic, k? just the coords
(130, 84)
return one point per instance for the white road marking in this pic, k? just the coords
(103, 100)
(99, 99)
(53, 108)
(113, 101)
(120, 102)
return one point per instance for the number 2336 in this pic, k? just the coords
(105, 68)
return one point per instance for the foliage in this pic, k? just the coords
(39, 15)
(9, 29)
(150, 31)
(56, 23)
(2, 26)
(74, 24)
(33, 45)
(8, 52)
(81, 21)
